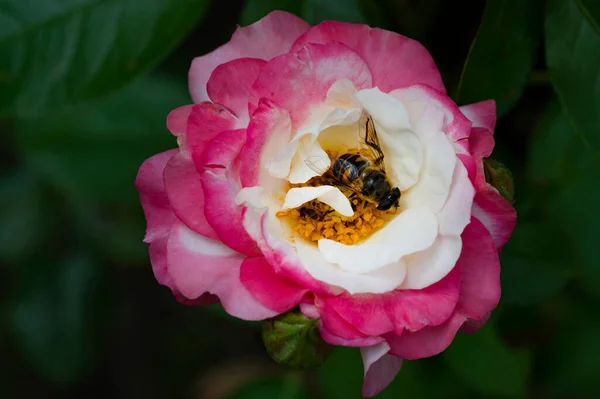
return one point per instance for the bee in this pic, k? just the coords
(362, 173)
(311, 213)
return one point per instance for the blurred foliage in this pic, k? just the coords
(85, 86)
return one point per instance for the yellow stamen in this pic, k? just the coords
(330, 224)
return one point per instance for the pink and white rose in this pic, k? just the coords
(269, 99)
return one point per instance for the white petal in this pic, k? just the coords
(431, 265)
(436, 175)
(309, 149)
(340, 94)
(401, 147)
(377, 282)
(413, 230)
(250, 196)
(456, 212)
(279, 166)
(371, 354)
(426, 115)
(197, 243)
(403, 157)
(386, 110)
(329, 195)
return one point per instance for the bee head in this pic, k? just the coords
(391, 199)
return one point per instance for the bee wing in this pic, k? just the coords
(369, 141)
(324, 169)
(319, 165)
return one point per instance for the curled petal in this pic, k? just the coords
(269, 131)
(426, 342)
(206, 121)
(157, 209)
(178, 118)
(267, 38)
(386, 53)
(380, 368)
(184, 189)
(221, 184)
(482, 114)
(230, 85)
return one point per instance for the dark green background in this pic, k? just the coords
(85, 86)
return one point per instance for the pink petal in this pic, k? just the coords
(395, 61)
(184, 189)
(482, 142)
(380, 368)
(230, 85)
(268, 288)
(199, 265)
(337, 328)
(480, 272)
(334, 339)
(426, 342)
(149, 183)
(479, 294)
(205, 122)
(400, 309)
(471, 326)
(221, 183)
(496, 214)
(178, 118)
(158, 258)
(469, 163)
(482, 114)
(299, 81)
(267, 121)
(271, 36)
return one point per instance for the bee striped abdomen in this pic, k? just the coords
(349, 167)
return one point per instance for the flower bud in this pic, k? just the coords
(500, 178)
(293, 339)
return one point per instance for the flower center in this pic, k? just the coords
(316, 220)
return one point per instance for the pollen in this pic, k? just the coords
(316, 220)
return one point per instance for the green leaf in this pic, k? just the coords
(534, 264)
(256, 9)
(569, 367)
(487, 365)
(341, 375)
(288, 387)
(52, 316)
(316, 11)
(573, 56)
(502, 54)
(552, 149)
(25, 216)
(591, 10)
(58, 55)
(569, 172)
(92, 158)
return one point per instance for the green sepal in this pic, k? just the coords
(292, 339)
(500, 178)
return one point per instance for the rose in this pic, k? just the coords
(267, 104)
